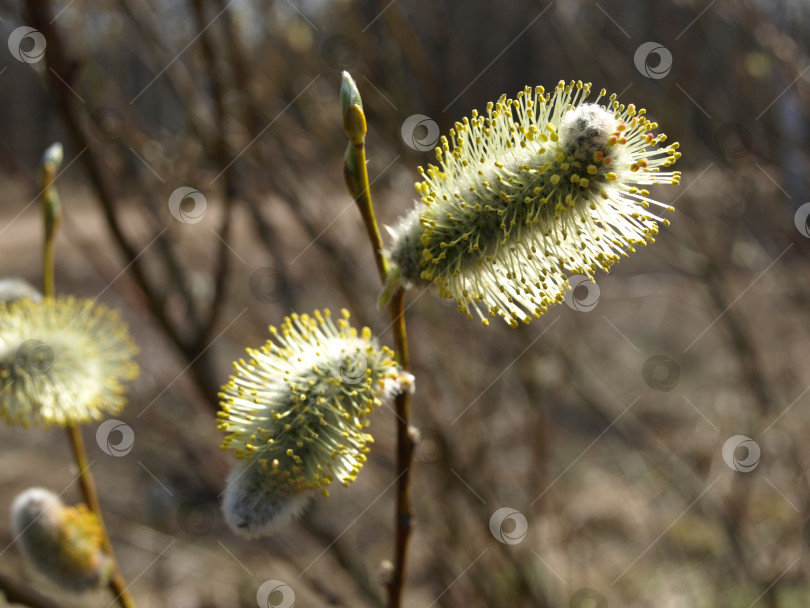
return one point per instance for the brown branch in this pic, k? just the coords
(405, 446)
(355, 172)
(58, 73)
(18, 593)
(222, 163)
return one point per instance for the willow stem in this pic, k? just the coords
(48, 262)
(366, 207)
(356, 175)
(116, 584)
(52, 215)
(405, 448)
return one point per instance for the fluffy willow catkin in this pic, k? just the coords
(543, 187)
(63, 361)
(62, 542)
(295, 416)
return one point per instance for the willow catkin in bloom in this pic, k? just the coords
(295, 416)
(542, 187)
(63, 361)
(62, 542)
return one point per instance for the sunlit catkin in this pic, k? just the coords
(543, 187)
(295, 415)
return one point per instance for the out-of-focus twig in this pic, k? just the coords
(52, 215)
(58, 74)
(222, 163)
(23, 594)
(346, 558)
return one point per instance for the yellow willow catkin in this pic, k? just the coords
(63, 361)
(295, 415)
(543, 187)
(62, 542)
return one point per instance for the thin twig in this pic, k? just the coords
(18, 593)
(221, 157)
(356, 175)
(117, 584)
(405, 446)
(59, 72)
(51, 213)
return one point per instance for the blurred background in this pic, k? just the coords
(650, 433)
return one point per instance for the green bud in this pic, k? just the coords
(52, 158)
(349, 95)
(354, 124)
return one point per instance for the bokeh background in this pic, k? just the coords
(602, 425)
